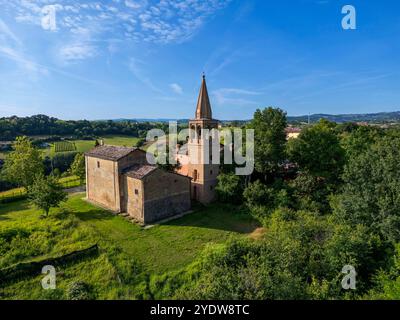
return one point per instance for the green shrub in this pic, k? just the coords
(262, 199)
(80, 291)
(229, 188)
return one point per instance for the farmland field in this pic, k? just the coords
(64, 146)
(126, 248)
(86, 145)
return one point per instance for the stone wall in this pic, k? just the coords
(165, 194)
(157, 196)
(135, 157)
(166, 207)
(203, 185)
(105, 185)
(102, 182)
(132, 197)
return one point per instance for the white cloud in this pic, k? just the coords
(157, 21)
(176, 88)
(77, 51)
(11, 47)
(135, 66)
(5, 33)
(236, 91)
(133, 4)
(233, 96)
(25, 63)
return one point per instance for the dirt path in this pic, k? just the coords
(75, 190)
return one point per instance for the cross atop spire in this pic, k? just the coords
(203, 110)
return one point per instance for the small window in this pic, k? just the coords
(175, 181)
(211, 187)
(136, 191)
(194, 175)
(211, 172)
(98, 164)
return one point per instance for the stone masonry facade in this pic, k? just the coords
(121, 180)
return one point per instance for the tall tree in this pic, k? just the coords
(229, 188)
(46, 193)
(359, 140)
(318, 151)
(78, 167)
(23, 163)
(371, 191)
(270, 139)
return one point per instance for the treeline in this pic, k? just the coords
(380, 117)
(12, 127)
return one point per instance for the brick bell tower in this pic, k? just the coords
(201, 168)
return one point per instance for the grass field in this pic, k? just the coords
(127, 250)
(121, 141)
(86, 145)
(66, 182)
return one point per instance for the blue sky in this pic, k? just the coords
(144, 58)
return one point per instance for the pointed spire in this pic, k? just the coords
(203, 110)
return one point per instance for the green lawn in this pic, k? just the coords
(124, 246)
(12, 192)
(66, 182)
(126, 141)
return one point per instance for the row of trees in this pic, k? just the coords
(12, 127)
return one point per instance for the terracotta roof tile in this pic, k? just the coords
(106, 152)
(139, 171)
(292, 130)
(203, 109)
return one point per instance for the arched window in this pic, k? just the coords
(195, 175)
(192, 132)
(198, 132)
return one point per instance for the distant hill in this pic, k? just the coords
(381, 117)
(150, 120)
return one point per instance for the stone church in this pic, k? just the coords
(121, 180)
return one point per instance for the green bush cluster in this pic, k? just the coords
(21, 242)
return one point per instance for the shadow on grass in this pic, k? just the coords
(219, 217)
(14, 206)
(93, 214)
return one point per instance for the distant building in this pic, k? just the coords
(292, 132)
(121, 180)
